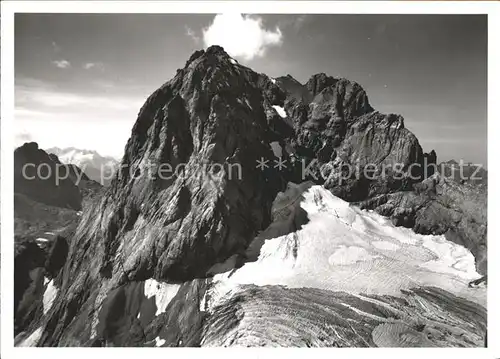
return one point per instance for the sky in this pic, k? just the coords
(80, 79)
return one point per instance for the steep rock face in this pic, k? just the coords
(34, 266)
(441, 206)
(36, 175)
(430, 161)
(89, 188)
(209, 124)
(28, 256)
(48, 194)
(349, 147)
(47, 202)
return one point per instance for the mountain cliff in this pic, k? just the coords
(37, 176)
(47, 193)
(194, 197)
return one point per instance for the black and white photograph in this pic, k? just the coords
(247, 179)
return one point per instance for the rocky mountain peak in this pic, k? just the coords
(213, 115)
(215, 112)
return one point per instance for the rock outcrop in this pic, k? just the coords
(48, 198)
(463, 172)
(346, 145)
(35, 264)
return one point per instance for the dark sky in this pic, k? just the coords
(81, 78)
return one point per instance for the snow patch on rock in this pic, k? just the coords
(163, 293)
(203, 302)
(159, 342)
(280, 110)
(48, 296)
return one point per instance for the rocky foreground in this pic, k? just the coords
(238, 258)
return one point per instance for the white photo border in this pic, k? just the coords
(9, 8)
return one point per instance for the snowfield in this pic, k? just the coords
(163, 293)
(343, 248)
(280, 110)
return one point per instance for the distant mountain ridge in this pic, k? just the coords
(97, 167)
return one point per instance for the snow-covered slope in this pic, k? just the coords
(343, 248)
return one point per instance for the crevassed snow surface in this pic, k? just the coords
(280, 110)
(163, 293)
(347, 249)
(48, 296)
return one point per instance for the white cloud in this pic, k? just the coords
(192, 34)
(94, 65)
(62, 64)
(22, 137)
(97, 120)
(241, 35)
(54, 100)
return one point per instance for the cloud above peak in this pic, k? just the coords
(241, 35)
(192, 34)
(62, 64)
